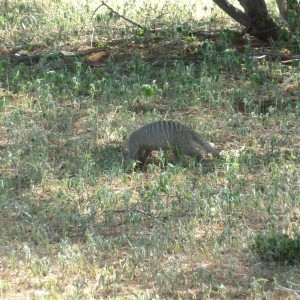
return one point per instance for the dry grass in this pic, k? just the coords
(78, 221)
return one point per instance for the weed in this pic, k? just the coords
(278, 247)
(78, 220)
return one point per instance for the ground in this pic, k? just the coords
(79, 221)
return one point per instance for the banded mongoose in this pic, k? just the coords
(167, 135)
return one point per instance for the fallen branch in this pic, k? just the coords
(34, 58)
(290, 61)
(296, 293)
(284, 58)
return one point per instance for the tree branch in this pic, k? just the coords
(119, 15)
(233, 12)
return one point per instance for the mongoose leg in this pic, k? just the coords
(192, 151)
(142, 155)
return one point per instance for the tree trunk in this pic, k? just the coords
(256, 18)
(283, 8)
(261, 24)
(290, 12)
(233, 12)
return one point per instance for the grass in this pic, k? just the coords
(77, 221)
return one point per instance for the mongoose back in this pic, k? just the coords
(167, 135)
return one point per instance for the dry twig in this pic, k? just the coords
(116, 13)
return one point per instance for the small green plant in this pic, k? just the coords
(278, 247)
(80, 221)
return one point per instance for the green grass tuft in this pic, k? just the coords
(79, 221)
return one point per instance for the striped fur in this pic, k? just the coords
(167, 135)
